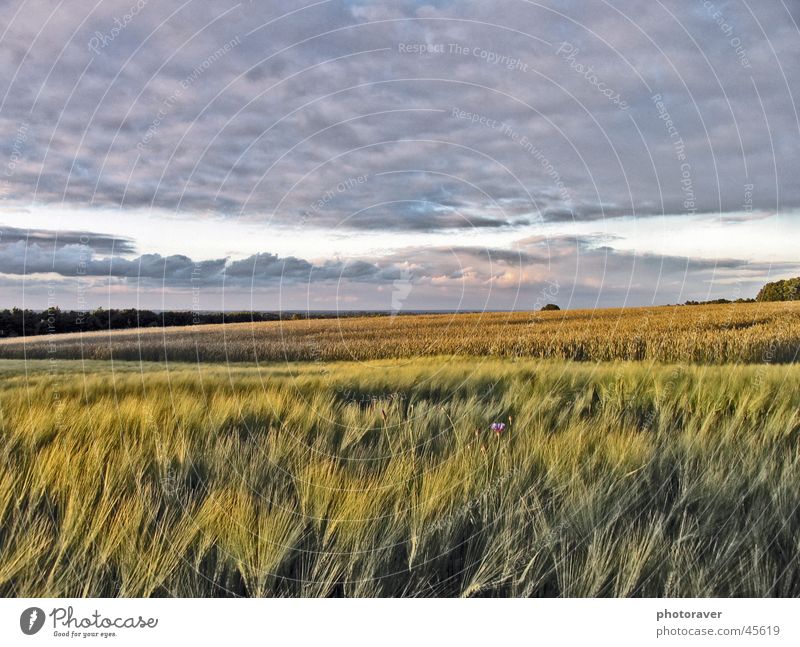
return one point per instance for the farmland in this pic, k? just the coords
(744, 333)
(497, 467)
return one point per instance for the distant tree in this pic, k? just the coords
(788, 290)
(550, 306)
(708, 303)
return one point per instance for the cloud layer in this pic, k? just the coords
(456, 114)
(399, 119)
(574, 271)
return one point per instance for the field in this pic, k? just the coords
(752, 333)
(383, 476)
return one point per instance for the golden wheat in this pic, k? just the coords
(383, 478)
(747, 333)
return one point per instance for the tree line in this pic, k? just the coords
(786, 290)
(17, 322)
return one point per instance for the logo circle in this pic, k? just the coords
(31, 620)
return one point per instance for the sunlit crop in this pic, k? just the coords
(749, 333)
(463, 477)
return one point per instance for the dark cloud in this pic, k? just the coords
(522, 112)
(572, 270)
(587, 271)
(263, 268)
(100, 243)
(180, 271)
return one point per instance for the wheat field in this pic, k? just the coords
(385, 478)
(738, 332)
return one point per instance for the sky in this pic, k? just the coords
(397, 155)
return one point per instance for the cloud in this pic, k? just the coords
(180, 271)
(264, 268)
(572, 270)
(588, 271)
(101, 243)
(460, 115)
(397, 119)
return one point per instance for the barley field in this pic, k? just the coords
(739, 332)
(386, 477)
